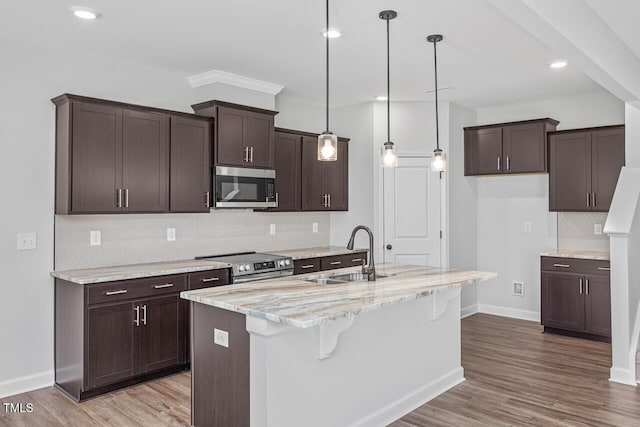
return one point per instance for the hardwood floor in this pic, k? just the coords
(516, 376)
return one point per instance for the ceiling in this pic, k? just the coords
(485, 57)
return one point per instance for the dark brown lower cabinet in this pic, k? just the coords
(312, 265)
(576, 302)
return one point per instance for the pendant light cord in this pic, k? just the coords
(327, 37)
(435, 64)
(388, 89)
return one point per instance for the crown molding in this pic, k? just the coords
(217, 76)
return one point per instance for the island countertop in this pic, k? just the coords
(297, 302)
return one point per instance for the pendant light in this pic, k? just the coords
(438, 161)
(327, 141)
(388, 156)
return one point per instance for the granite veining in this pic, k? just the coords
(136, 271)
(297, 302)
(568, 253)
(317, 252)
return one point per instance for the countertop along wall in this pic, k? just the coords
(505, 203)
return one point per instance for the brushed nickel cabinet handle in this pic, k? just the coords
(144, 314)
(207, 199)
(588, 200)
(594, 200)
(137, 319)
(604, 268)
(499, 163)
(120, 292)
(276, 199)
(246, 154)
(210, 279)
(126, 197)
(307, 266)
(251, 155)
(508, 163)
(581, 284)
(119, 198)
(357, 260)
(587, 286)
(167, 285)
(336, 263)
(329, 199)
(562, 265)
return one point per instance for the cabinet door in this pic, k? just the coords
(231, 138)
(335, 179)
(260, 136)
(145, 161)
(562, 301)
(607, 148)
(162, 341)
(97, 158)
(313, 196)
(570, 171)
(483, 151)
(524, 148)
(598, 305)
(190, 184)
(288, 149)
(112, 344)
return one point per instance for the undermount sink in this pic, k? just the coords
(343, 278)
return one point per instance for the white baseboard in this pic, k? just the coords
(468, 310)
(515, 313)
(622, 376)
(406, 404)
(26, 383)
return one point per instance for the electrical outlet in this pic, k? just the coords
(314, 227)
(272, 229)
(527, 227)
(96, 238)
(597, 229)
(27, 241)
(221, 337)
(171, 234)
(518, 289)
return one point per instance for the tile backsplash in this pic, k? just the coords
(576, 231)
(130, 239)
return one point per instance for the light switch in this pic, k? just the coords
(527, 227)
(171, 234)
(96, 238)
(221, 337)
(27, 241)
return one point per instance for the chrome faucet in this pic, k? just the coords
(369, 269)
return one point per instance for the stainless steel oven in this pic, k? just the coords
(244, 188)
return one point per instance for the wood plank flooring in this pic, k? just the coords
(516, 376)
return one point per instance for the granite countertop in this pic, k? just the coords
(136, 271)
(321, 251)
(296, 302)
(568, 253)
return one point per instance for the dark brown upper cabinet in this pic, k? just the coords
(325, 185)
(507, 148)
(116, 158)
(288, 152)
(190, 181)
(584, 166)
(243, 136)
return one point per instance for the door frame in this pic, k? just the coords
(444, 205)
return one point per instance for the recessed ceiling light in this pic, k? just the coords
(333, 33)
(558, 64)
(381, 98)
(85, 13)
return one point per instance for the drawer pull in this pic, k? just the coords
(336, 263)
(562, 265)
(604, 268)
(168, 285)
(122, 291)
(210, 279)
(356, 260)
(307, 266)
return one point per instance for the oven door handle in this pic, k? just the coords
(262, 276)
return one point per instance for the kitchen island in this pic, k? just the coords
(321, 349)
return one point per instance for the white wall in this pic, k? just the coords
(632, 134)
(505, 203)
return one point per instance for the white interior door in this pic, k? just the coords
(412, 213)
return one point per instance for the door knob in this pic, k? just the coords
(389, 247)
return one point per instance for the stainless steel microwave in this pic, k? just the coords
(244, 188)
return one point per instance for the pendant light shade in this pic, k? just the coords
(327, 141)
(388, 155)
(438, 160)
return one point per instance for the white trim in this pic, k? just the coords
(468, 310)
(27, 383)
(515, 313)
(406, 404)
(622, 376)
(217, 76)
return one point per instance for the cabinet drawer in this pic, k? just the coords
(574, 265)
(208, 279)
(136, 288)
(342, 261)
(308, 265)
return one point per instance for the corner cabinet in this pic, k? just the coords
(117, 158)
(576, 297)
(244, 136)
(584, 168)
(325, 185)
(507, 148)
